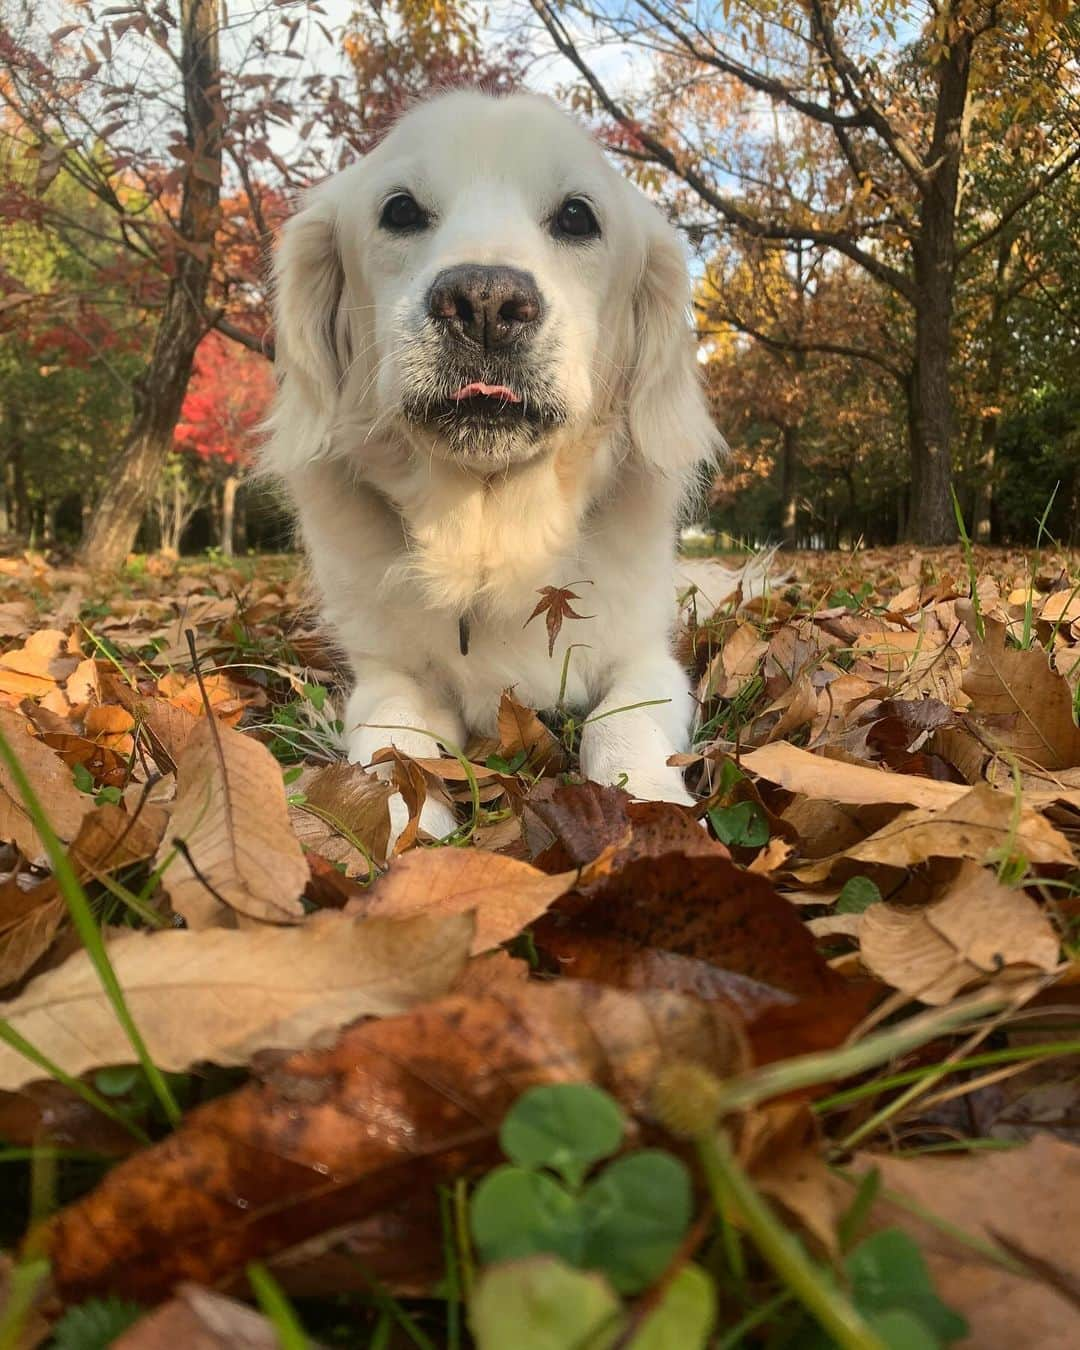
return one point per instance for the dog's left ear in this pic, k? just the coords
(670, 424)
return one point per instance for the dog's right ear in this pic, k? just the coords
(311, 327)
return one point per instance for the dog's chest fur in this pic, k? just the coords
(401, 559)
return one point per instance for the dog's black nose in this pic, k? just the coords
(491, 306)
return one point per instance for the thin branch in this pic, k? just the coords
(1025, 198)
(826, 348)
(725, 206)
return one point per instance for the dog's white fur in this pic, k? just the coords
(406, 533)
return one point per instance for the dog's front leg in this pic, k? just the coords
(625, 742)
(389, 707)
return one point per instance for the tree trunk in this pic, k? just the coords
(998, 339)
(159, 391)
(789, 463)
(228, 514)
(931, 520)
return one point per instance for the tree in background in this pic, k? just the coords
(891, 91)
(71, 344)
(227, 400)
(136, 106)
(193, 136)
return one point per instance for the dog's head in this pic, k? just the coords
(480, 284)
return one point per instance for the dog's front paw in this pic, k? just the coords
(664, 784)
(436, 819)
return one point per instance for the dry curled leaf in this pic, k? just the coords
(341, 806)
(980, 825)
(521, 732)
(979, 928)
(232, 817)
(335, 1136)
(1025, 705)
(219, 995)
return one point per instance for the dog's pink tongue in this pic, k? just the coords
(480, 390)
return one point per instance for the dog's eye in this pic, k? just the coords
(403, 212)
(575, 219)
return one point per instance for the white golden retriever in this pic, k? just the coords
(488, 385)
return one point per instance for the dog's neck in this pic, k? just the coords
(476, 543)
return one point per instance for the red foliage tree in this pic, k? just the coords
(227, 398)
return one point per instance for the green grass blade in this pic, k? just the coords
(25, 1281)
(276, 1308)
(84, 1090)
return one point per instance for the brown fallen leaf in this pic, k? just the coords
(779, 1143)
(51, 780)
(1022, 1201)
(554, 604)
(334, 1136)
(231, 814)
(200, 1319)
(583, 820)
(505, 895)
(166, 725)
(1024, 704)
(108, 839)
(838, 781)
(980, 928)
(740, 658)
(220, 995)
(44, 661)
(701, 907)
(976, 826)
(342, 804)
(522, 732)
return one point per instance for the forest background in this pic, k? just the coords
(879, 200)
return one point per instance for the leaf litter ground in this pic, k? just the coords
(860, 952)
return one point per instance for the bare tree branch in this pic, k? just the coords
(727, 207)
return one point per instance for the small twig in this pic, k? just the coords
(182, 848)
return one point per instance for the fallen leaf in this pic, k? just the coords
(200, 1319)
(701, 907)
(505, 895)
(522, 732)
(342, 804)
(979, 928)
(740, 659)
(1021, 1201)
(977, 826)
(779, 1144)
(333, 1136)
(45, 660)
(108, 840)
(219, 995)
(231, 813)
(554, 604)
(51, 780)
(1025, 706)
(838, 781)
